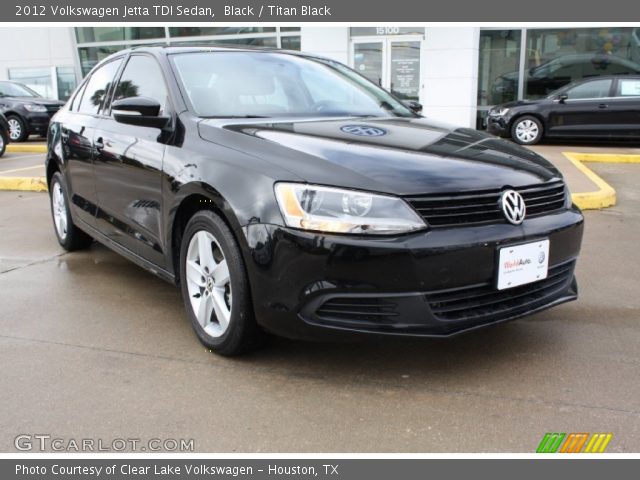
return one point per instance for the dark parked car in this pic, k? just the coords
(286, 193)
(26, 111)
(596, 108)
(540, 81)
(4, 134)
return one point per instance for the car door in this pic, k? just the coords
(77, 130)
(128, 166)
(625, 108)
(584, 112)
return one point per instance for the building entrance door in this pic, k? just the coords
(393, 63)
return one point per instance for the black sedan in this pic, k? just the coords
(4, 134)
(285, 193)
(26, 111)
(606, 107)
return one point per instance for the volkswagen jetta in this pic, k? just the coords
(285, 193)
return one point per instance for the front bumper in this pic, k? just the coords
(434, 283)
(38, 122)
(498, 126)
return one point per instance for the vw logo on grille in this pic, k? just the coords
(363, 130)
(513, 206)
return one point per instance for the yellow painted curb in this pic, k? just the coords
(605, 196)
(31, 184)
(605, 157)
(26, 148)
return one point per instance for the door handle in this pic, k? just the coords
(603, 105)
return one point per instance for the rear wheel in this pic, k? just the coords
(17, 129)
(215, 288)
(69, 236)
(527, 130)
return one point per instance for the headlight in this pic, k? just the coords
(499, 112)
(32, 107)
(335, 210)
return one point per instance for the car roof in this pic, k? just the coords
(169, 50)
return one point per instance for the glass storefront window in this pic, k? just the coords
(114, 34)
(203, 31)
(90, 56)
(556, 57)
(66, 78)
(255, 42)
(290, 43)
(37, 79)
(498, 64)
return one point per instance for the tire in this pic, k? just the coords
(527, 130)
(225, 323)
(17, 129)
(69, 236)
(4, 139)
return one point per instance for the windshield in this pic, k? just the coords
(270, 84)
(8, 89)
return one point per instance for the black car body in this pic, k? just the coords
(554, 74)
(4, 134)
(138, 189)
(606, 107)
(27, 112)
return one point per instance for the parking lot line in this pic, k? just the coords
(21, 169)
(605, 196)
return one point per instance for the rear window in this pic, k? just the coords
(629, 87)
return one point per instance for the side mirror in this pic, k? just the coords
(414, 106)
(562, 97)
(140, 111)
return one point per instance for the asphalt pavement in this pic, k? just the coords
(92, 346)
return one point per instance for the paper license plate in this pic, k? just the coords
(521, 264)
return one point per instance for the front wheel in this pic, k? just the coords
(527, 130)
(17, 129)
(4, 139)
(215, 288)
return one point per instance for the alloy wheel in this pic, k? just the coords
(59, 208)
(15, 129)
(209, 283)
(527, 131)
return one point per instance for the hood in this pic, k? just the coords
(403, 156)
(37, 101)
(522, 103)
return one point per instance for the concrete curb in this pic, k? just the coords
(605, 196)
(30, 184)
(26, 148)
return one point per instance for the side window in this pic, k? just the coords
(142, 77)
(76, 100)
(629, 87)
(594, 89)
(97, 87)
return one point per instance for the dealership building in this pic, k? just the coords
(457, 73)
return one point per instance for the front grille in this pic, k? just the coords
(358, 310)
(469, 208)
(484, 302)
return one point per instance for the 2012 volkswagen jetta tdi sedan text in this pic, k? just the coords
(285, 193)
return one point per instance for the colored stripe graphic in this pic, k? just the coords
(574, 443)
(550, 442)
(598, 443)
